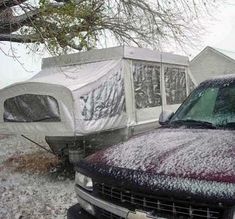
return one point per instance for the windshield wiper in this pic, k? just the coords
(192, 123)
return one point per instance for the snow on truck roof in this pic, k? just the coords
(225, 78)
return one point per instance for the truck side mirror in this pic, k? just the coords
(165, 117)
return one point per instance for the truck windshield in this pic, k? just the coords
(211, 105)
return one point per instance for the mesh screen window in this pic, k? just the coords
(175, 85)
(107, 100)
(31, 108)
(147, 85)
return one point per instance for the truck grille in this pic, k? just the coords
(162, 206)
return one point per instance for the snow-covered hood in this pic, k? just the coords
(200, 154)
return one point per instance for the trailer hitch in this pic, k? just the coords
(43, 147)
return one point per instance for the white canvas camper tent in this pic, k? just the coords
(116, 90)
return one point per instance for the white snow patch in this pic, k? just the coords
(29, 195)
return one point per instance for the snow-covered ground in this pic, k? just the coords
(30, 195)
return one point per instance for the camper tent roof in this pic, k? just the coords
(115, 53)
(77, 70)
(75, 76)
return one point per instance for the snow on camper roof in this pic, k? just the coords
(120, 52)
(223, 77)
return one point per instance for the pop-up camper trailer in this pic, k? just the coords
(93, 99)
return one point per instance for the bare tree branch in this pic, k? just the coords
(9, 3)
(16, 22)
(80, 24)
(16, 38)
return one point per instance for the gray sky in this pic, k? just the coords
(220, 34)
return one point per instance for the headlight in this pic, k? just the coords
(84, 181)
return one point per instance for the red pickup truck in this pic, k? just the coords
(185, 169)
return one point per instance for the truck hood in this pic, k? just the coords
(200, 154)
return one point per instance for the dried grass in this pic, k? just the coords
(36, 162)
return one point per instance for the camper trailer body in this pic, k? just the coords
(82, 102)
